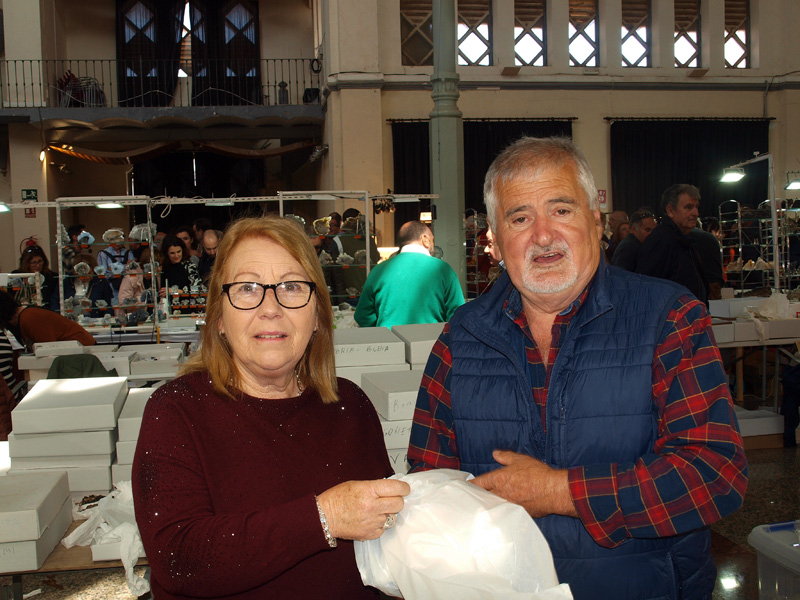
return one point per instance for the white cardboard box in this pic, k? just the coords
(62, 462)
(396, 434)
(723, 332)
(394, 394)
(58, 348)
(399, 460)
(120, 360)
(27, 362)
(120, 473)
(61, 444)
(130, 419)
(81, 479)
(783, 328)
(101, 348)
(744, 331)
(125, 452)
(419, 340)
(166, 361)
(30, 555)
(29, 502)
(354, 373)
(367, 346)
(733, 307)
(110, 551)
(85, 404)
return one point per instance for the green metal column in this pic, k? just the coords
(447, 140)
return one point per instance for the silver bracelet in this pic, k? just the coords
(325, 529)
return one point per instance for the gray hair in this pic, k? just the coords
(527, 158)
(670, 196)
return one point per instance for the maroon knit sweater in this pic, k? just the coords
(224, 490)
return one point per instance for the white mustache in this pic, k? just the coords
(536, 251)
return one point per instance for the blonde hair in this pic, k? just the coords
(316, 368)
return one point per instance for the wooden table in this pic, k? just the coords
(77, 558)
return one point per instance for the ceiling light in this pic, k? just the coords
(4, 207)
(793, 180)
(732, 174)
(108, 205)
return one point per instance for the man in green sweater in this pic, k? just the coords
(410, 287)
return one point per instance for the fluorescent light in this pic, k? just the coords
(4, 207)
(732, 174)
(108, 205)
(220, 202)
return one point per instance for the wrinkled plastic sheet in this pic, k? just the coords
(454, 539)
(113, 521)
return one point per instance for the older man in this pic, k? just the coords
(669, 252)
(410, 287)
(627, 253)
(593, 397)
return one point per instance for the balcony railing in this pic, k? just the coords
(159, 83)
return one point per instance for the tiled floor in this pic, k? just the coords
(773, 496)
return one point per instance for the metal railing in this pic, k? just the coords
(159, 83)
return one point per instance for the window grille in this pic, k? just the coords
(530, 47)
(687, 33)
(583, 42)
(737, 34)
(416, 32)
(635, 39)
(474, 32)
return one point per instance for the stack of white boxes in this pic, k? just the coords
(69, 425)
(129, 424)
(367, 350)
(35, 512)
(394, 392)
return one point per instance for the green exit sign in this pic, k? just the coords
(30, 195)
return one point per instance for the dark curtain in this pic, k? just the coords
(148, 51)
(483, 141)
(649, 156)
(225, 53)
(412, 167)
(217, 177)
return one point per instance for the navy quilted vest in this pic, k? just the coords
(599, 411)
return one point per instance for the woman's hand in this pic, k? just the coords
(357, 510)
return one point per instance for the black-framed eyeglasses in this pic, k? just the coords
(248, 295)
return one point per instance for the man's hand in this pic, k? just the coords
(524, 480)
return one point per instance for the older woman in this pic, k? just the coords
(256, 467)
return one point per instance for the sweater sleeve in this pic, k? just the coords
(366, 314)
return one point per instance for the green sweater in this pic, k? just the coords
(409, 288)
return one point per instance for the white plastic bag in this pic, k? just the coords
(454, 539)
(113, 521)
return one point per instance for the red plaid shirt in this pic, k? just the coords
(697, 469)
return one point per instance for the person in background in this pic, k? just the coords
(710, 252)
(177, 270)
(198, 227)
(133, 286)
(32, 324)
(34, 260)
(627, 253)
(73, 246)
(210, 243)
(669, 252)
(186, 235)
(615, 221)
(594, 398)
(332, 244)
(256, 467)
(84, 288)
(410, 287)
(115, 252)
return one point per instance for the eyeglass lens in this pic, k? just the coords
(289, 294)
